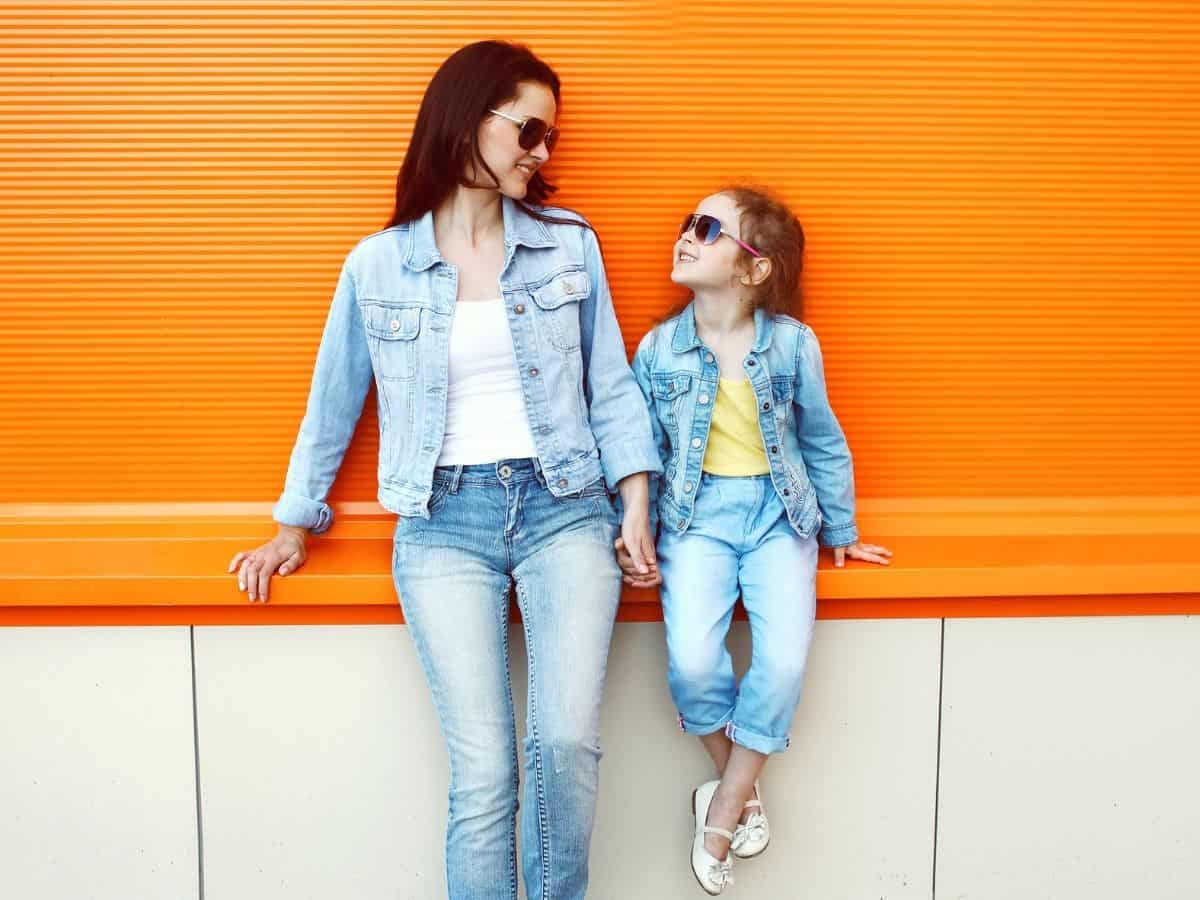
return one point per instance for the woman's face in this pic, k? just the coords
(514, 166)
(709, 267)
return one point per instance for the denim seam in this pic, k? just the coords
(539, 778)
(516, 785)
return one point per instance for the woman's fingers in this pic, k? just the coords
(648, 551)
(236, 561)
(291, 564)
(839, 556)
(250, 570)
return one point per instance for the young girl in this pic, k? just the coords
(756, 468)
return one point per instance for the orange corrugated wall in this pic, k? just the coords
(1002, 202)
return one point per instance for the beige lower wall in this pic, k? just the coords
(1066, 765)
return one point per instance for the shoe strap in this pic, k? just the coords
(750, 804)
(709, 829)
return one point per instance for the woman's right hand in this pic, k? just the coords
(285, 552)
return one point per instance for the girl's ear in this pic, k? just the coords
(760, 271)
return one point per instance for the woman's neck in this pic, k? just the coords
(469, 216)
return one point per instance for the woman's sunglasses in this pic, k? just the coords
(533, 131)
(708, 228)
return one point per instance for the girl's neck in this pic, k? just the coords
(469, 215)
(721, 313)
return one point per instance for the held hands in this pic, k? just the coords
(866, 552)
(635, 546)
(285, 552)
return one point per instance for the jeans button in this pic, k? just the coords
(505, 471)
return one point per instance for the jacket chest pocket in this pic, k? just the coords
(558, 302)
(669, 392)
(782, 392)
(392, 332)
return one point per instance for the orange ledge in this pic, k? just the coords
(165, 563)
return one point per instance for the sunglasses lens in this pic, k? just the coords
(551, 139)
(532, 133)
(685, 224)
(708, 229)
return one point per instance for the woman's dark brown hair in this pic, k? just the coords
(445, 139)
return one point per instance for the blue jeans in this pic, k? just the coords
(491, 525)
(739, 537)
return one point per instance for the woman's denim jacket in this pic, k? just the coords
(810, 462)
(389, 322)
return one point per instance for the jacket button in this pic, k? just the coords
(774, 449)
(562, 482)
(687, 487)
(708, 357)
(568, 288)
(682, 524)
(519, 308)
(533, 373)
(767, 405)
(787, 492)
(696, 442)
(703, 399)
(395, 323)
(751, 362)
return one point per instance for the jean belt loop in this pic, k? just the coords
(456, 478)
(537, 470)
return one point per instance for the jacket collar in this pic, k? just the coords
(685, 337)
(520, 230)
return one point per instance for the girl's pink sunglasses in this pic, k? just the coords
(708, 228)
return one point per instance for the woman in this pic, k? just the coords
(507, 412)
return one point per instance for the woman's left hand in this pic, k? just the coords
(866, 552)
(638, 543)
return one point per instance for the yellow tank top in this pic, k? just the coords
(735, 445)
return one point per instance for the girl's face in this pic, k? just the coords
(714, 266)
(498, 146)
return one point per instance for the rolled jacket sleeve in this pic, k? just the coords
(617, 410)
(341, 378)
(823, 447)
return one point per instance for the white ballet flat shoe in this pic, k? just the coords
(751, 837)
(714, 875)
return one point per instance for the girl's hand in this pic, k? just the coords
(285, 552)
(866, 552)
(638, 542)
(629, 572)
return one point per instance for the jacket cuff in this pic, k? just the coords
(301, 512)
(621, 461)
(839, 535)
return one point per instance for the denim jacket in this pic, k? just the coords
(810, 462)
(389, 322)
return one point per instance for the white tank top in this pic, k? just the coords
(485, 412)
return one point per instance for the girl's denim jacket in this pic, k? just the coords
(389, 323)
(810, 462)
